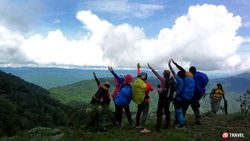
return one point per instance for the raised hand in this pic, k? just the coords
(169, 62)
(173, 60)
(138, 65)
(110, 68)
(149, 66)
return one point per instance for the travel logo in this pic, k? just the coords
(227, 135)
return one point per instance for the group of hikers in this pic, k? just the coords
(184, 89)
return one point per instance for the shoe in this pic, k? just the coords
(198, 122)
(117, 124)
(179, 126)
(139, 127)
(165, 127)
(131, 125)
(145, 130)
(175, 122)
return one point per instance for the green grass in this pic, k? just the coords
(211, 129)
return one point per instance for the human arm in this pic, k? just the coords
(156, 73)
(96, 79)
(138, 69)
(178, 66)
(120, 80)
(171, 69)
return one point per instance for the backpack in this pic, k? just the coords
(101, 97)
(201, 81)
(124, 96)
(188, 88)
(138, 91)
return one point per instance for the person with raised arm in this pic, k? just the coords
(123, 98)
(166, 91)
(102, 96)
(188, 88)
(178, 102)
(143, 108)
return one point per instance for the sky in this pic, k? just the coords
(213, 35)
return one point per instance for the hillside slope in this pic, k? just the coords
(24, 105)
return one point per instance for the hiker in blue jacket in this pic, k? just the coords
(123, 98)
(178, 102)
(188, 88)
(201, 81)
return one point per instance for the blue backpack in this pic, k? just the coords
(201, 81)
(188, 88)
(124, 96)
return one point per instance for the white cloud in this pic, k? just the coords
(124, 8)
(57, 49)
(245, 65)
(205, 37)
(206, 34)
(10, 51)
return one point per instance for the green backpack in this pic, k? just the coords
(138, 90)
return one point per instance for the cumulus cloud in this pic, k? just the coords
(10, 51)
(207, 33)
(57, 49)
(205, 37)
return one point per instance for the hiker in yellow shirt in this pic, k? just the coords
(215, 96)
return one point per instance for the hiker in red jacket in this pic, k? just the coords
(166, 91)
(144, 106)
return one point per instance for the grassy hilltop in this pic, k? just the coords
(211, 130)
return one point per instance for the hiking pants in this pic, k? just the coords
(195, 107)
(118, 113)
(185, 106)
(215, 105)
(163, 104)
(179, 118)
(142, 109)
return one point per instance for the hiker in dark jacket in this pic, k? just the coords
(178, 102)
(188, 88)
(143, 108)
(102, 96)
(123, 97)
(201, 81)
(101, 101)
(216, 95)
(166, 91)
